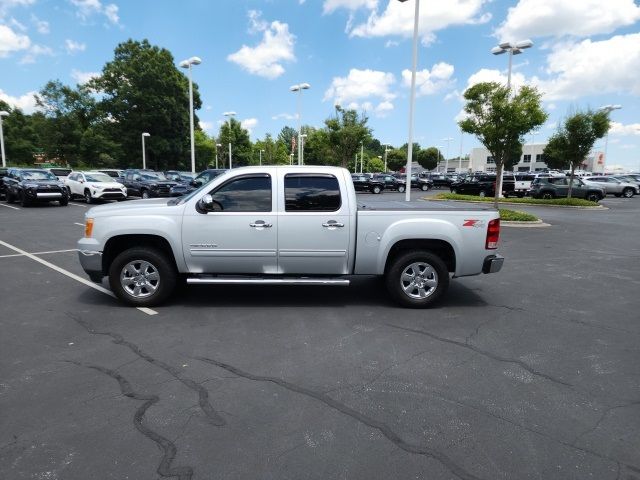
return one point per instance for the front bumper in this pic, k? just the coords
(492, 264)
(90, 259)
(109, 195)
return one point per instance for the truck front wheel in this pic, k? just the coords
(142, 276)
(417, 279)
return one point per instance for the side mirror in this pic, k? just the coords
(81, 180)
(208, 204)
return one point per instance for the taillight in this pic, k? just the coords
(493, 234)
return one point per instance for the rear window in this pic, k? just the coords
(60, 172)
(315, 193)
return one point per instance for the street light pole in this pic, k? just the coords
(299, 88)
(512, 49)
(386, 150)
(261, 157)
(412, 100)
(303, 139)
(230, 116)
(361, 156)
(187, 64)
(3, 113)
(218, 145)
(144, 157)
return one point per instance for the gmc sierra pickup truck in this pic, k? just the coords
(283, 226)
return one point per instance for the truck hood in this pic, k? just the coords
(133, 207)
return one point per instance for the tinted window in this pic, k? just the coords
(311, 193)
(245, 194)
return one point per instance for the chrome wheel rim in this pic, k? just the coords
(140, 278)
(419, 280)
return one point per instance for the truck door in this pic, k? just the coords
(240, 236)
(313, 224)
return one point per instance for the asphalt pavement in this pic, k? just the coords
(531, 373)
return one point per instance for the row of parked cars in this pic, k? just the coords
(37, 185)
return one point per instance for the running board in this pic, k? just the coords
(267, 281)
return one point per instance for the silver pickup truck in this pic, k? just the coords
(283, 226)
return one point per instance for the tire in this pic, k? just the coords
(628, 192)
(9, 197)
(425, 187)
(434, 282)
(64, 202)
(482, 193)
(401, 189)
(145, 194)
(376, 189)
(593, 197)
(87, 197)
(156, 273)
(548, 195)
(24, 202)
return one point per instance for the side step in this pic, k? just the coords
(204, 280)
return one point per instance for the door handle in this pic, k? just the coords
(332, 223)
(260, 224)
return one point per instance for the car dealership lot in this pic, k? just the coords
(529, 373)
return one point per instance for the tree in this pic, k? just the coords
(275, 151)
(374, 164)
(500, 120)
(573, 140)
(285, 136)
(345, 132)
(205, 149)
(428, 158)
(241, 148)
(317, 148)
(143, 91)
(20, 138)
(396, 159)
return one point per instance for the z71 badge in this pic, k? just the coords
(473, 223)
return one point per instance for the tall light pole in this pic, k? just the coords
(361, 156)
(229, 115)
(446, 158)
(261, 157)
(303, 139)
(218, 145)
(3, 113)
(386, 150)
(608, 109)
(512, 49)
(144, 153)
(187, 64)
(412, 101)
(299, 88)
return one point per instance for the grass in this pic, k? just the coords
(516, 216)
(567, 202)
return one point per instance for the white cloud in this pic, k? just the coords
(42, 26)
(206, 126)
(330, 6)
(356, 90)
(491, 75)
(83, 77)
(553, 18)
(265, 59)
(73, 47)
(431, 81)
(623, 130)
(249, 124)
(34, 52)
(26, 102)
(89, 8)
(6, 5)
(397, 18)
(11, 41)
(285, 116)
(593, 68)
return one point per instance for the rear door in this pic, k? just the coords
(313, 224)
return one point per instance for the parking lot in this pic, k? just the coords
(531, 373)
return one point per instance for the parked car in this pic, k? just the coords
(203, 178)
(3, 187)
(116, 174)
(422, 183)
(440, 180)
(558, 187)
(29, 186)
(391, 182)
(522, 183)
(180, 177)
(286, 226)
(613, 186)
(147, 183)
(60, 172)
(483, 185)
(94, 186)
(362, 183)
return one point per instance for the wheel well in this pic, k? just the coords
(120, 243)
(439, 247)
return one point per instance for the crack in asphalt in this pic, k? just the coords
(383, 428)
(485, 353)
(167, 446)
(601, 419)
(203, 394)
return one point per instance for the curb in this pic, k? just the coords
(599, 207)
(518, 224)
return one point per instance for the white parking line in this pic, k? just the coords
(9, 206)
(77, 205)
(39, 253)
(77, 278)
(81, 224)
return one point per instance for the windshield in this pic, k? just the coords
(37, 175)
(152, 176)
(97, 177)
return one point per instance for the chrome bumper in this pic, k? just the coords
(492, 264)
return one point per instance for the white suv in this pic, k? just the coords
(95, 186)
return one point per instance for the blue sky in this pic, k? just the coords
(353, 52)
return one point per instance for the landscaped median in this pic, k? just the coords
(556, 202)
(515, 218)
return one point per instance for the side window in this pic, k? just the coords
(315, 193)
(245, 194)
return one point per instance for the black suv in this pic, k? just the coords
(391, 182)
(362, 183)
(203, 178)
(558, 187)
(483, 185)
(30, 185)
(147, 183)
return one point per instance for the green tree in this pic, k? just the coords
(500, 120)
(428, 158)
(205, 150)
(396, 159)
(374, 164)
(317, 148)
(20, 138)
(143, 91)
(346, 130)
(285, 136)
(241, 148)
(275, 151)
(569, 146)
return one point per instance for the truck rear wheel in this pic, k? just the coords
(417, 279)
(142, 276)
